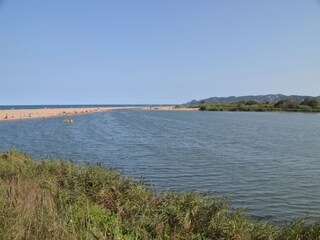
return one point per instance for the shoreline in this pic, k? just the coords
(42, 113)
(38, 198)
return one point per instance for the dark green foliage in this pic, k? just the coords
(251, 102)
(59, 200)
(245, 106)
(289, 105)
(311, 102)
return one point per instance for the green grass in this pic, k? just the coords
(53, 199)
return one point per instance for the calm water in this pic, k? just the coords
(266, 162)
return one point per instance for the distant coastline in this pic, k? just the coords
(8, 107)
(268, 98)
(36, 113)
(307, 105)
(259, 103)
(24, 112)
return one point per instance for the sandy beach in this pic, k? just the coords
(21, 114)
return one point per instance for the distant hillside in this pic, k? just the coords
(258, 98)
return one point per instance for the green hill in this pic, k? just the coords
(271, 98)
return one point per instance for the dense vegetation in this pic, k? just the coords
(52, 199)
(257, 98)
(289, 105)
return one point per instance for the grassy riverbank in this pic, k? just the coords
(52, 199)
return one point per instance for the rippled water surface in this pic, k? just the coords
(266, 162)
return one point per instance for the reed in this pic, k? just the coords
(54, 199)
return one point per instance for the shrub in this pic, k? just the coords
(311, 102)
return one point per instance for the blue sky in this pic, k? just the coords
(168, 51)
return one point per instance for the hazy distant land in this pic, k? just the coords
(259, 103)
(272, 98)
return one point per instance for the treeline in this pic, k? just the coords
(289, 105)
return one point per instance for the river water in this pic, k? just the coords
(267, 163)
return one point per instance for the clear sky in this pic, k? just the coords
(168, 51)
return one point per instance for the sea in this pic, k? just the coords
(266, 163)
(8, 107)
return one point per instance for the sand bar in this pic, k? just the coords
(21, 114)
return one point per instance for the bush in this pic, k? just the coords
(287, 104)
(311, 102)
